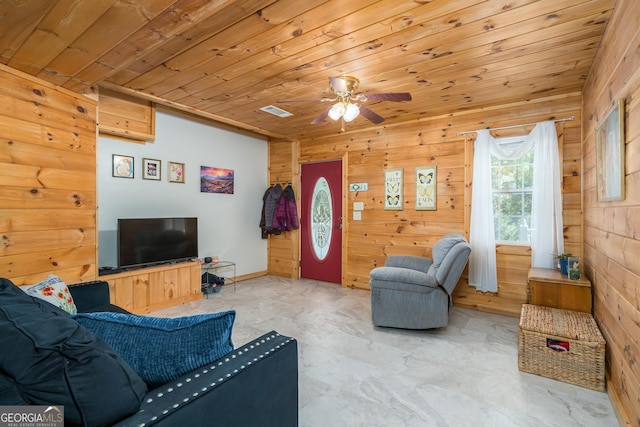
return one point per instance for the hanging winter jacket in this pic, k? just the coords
(270, 206)
(292, 210)
(286, 216)
(263, 223)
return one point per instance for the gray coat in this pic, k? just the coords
(270, 205)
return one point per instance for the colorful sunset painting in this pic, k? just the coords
(216, 180)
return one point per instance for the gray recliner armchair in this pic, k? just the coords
(413, 292)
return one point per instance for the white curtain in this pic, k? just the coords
(546, 210)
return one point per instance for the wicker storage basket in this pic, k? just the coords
(561, 344)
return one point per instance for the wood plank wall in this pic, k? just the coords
(612, 229)
(283, 249)
(48, 181)
(435, 141)
(126, 117)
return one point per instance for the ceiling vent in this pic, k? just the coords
(276, 111)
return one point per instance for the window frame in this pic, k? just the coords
(522, 191)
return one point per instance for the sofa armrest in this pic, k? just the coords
(409, 261)
(256, 384)
(93, 296)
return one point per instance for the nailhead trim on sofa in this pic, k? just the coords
(163, 401)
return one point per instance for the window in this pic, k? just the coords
(512, 183)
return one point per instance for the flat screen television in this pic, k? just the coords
(148, 241)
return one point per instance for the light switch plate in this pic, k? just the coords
(358, 206)
(357, 216)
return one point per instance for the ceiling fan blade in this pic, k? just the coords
(321, 117)
(389, 96)
(305, 100)
(371, 115)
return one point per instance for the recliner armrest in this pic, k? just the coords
(409, 261)
(403, 275)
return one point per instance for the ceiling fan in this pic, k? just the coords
(348, 103)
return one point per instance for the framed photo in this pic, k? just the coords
(216, 180)
(426, 180)
(122, 166)
(393, 189)
(610, 155)
(176, 172)
(151, 169)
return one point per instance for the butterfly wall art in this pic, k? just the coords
(426, 180)
(393, 189)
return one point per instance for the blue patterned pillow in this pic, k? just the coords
(163, 349)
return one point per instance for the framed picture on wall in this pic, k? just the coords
(151, 169)
(122, 166)
(610, 155)
(176, 172)
(216, 180)
(426, 180)
(393, 189)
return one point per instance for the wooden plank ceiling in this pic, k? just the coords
(227, 58)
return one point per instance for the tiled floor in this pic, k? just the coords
(355, 374)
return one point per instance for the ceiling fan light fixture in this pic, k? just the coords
(350, 104)
(344, 86)
(351, 111)
(337, 111)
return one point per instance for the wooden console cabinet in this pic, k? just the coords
(144, 290)
(550, 288)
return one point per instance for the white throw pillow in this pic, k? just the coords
(54, 291)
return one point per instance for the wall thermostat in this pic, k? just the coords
(359, 186)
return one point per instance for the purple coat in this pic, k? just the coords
(286, 214)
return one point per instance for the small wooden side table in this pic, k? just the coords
(550, 288)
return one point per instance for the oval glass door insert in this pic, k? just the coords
(321, 218)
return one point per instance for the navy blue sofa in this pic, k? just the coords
(254, 385)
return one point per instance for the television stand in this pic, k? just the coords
(147, 289)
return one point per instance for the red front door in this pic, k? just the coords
(321, 221)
